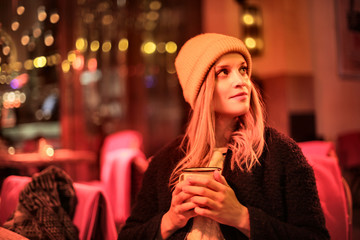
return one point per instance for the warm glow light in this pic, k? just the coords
(57, 58)
(41, 13)
(161, 47)
(6, 50)
(11, 150)
(250, 42)
(106, 47)
(40, 62)
(15, 26)
(89, 18)
(71, 56)
(16, 66)
(92, 64)
(152, 16)
(49, 40)
(78, 64)
(81, 44)
(25, 39)
(28, 64)
(11, 97)
(19, 81)
(20, 10)
(149, 47)
(22, 97)
(94, 46)
(37, 32)
(123, 44)
(54, 18)
(155, 5)
(107, 19)
(65, 66)
(171, 47)
(4, 68)
(54, 59)
(50, 151)
(248, 19)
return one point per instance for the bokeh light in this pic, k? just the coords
(65, 66)
(42, 13)
(49, 39)
(20, 10)
(40, 62)
(78, 64)
(6, 50)
(106, 47)
(148, 47)
(171, 47)
(94, 46)
(71, 56)
(248, 19)
(161, 47)
(123, 44)
(81, 44)
(25, 39)
(15, 26)
(92, 64)
(54, 18)
(155, 5)
(250, 42)
(28, 64)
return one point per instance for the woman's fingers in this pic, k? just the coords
(220, 178)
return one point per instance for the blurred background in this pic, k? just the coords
(73, 72)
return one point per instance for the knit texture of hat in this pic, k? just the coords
(197, 56)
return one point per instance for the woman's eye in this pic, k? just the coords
(243, 70)
(222, 72)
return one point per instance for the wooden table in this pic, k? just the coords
(80, 165)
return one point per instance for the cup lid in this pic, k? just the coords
(201, 169)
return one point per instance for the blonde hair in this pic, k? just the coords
(247, 140)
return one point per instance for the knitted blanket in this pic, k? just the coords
(46, 207)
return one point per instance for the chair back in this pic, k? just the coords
(122, 164)
(120, 140)
(93, 216)
(335, 198)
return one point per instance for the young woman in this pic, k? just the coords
(265, 190)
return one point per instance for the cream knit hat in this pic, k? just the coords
(197, 56)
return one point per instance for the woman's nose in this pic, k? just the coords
(238, 79)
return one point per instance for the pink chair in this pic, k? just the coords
(334, 193)
(93, 216)
(120, 140)
(121, 161)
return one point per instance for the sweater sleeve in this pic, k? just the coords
(303, 218)
(154, 198)
(145, 216)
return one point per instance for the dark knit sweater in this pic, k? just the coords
(280, 194)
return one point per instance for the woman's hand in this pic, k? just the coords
(181, 210)
(215, 199)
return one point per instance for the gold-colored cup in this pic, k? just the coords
(198, 171)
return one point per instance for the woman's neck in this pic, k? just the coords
(223, 130)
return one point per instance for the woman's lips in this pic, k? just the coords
(239, 96)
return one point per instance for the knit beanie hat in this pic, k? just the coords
(197, 56)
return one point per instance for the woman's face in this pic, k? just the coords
(232, 86)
